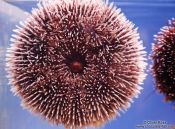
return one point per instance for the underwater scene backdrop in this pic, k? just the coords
(148, 15)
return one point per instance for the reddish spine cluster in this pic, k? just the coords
(164, 61)
(76, 62)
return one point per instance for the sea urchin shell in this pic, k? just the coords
(164, 61)
(76, 62)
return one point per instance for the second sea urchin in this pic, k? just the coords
(76, 62)
(164, 61)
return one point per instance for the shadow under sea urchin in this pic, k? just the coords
(76, 62)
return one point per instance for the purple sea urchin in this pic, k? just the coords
(164, 61)
(76, 62)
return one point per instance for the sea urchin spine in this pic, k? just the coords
(76, 62)
(164, 61)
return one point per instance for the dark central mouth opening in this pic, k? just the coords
(76, 62)
(76, 67)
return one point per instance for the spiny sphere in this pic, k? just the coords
(164, 61)
(76, 62)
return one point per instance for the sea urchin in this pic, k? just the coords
(76, 62)
(164, 61)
